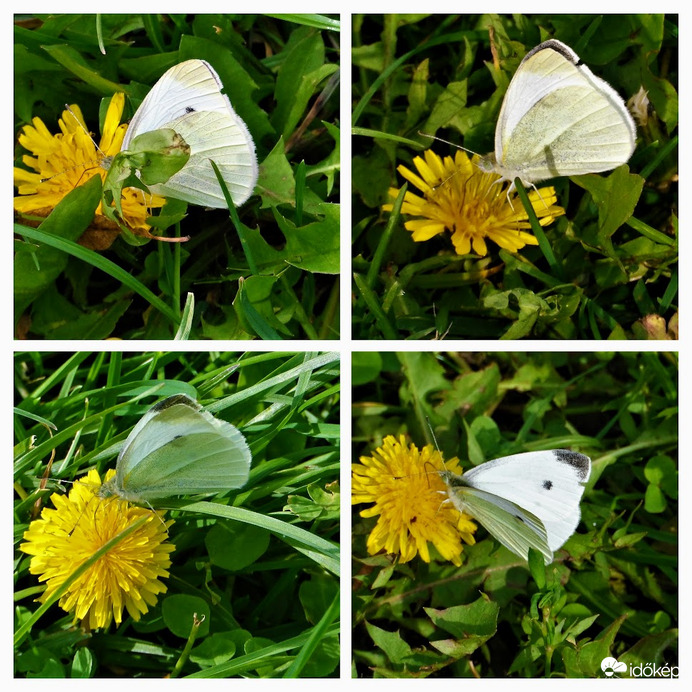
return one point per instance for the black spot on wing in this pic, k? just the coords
(547, 485)
(189, 109)
(178, 441)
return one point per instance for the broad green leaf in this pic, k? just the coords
(35, 271)
(152, 159)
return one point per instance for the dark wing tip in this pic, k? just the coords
(580, 462)
(174, 400)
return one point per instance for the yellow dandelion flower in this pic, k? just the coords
(61, 162)
(127, 577)
(462, 199)
(409, 500)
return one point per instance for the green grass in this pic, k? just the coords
(612, 589)
(261, 562)
(607, 269)
(268, 271)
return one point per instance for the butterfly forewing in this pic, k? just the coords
(190, 86)
(537, 79)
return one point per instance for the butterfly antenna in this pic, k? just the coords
(435, 188)
(434, 439)
(438, 472)
(36, 509)
(103, 162)
(458, 146)
(511, 188)
(432, 434)
(81, 514)
(446, 141)
(88, 134)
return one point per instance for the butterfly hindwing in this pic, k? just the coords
(513, 526)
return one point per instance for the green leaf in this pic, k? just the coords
(179, 612)
(297, 78)
(331, 164)
(474, 392)
(324, 659)
(323, 552)
(320, 505)
(313, 247)
(424, 375)
(95, 259)
(616, 196)
(661, 473)
(366, 366)
(40, 662)
(470, 626)
(217, 648)
(83, 663)
(395, 648)
(54, 317)
(250, 309)
(316, 595)
(73, 61)
(36, 270)
(537, 568)
(236, 546)
(152, 159)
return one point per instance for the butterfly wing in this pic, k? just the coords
(177, 101)
(179, 449)
(513, 526)
(548, 484)
(558, 118)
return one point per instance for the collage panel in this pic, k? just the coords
(515, 176)
(214, 214)
(177, 510)
(176, 514)
(515, 514)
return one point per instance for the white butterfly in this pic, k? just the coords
(526, 500)
(179, 449)
(188, 100)
(559, 119)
